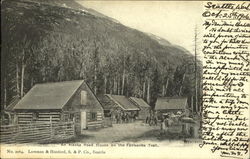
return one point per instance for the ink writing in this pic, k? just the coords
(226, 40)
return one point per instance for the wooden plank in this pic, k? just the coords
(34, 134)
(57, 117)
(22, 135)
(52, 113)
(25, 119)
(94, 121)
(7, 133)
(6, 137)
(32, 139)
(24, 113)
(7, 126)
(36, 128)
(94, 125)
(6, 129)
(47, 120)
(23, 122)
(37, 124)
(24, 116)
(33, 130)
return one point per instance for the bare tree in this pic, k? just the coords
(195, 68)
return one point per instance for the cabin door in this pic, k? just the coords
(83, 120)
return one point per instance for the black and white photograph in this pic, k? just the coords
(107, 72)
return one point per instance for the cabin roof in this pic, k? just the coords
(139, 102)
(168, 103)
(49, 95)
(106, 102)
(123, 102)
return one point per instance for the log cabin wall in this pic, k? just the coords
(89, 104)
(91, 123)
(97, 122)
(77, 118)
(28, 117)
(143, 113)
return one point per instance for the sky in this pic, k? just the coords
(173, 21)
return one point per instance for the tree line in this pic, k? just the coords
(109, 62)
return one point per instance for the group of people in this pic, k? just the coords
(165, 120)
(123, 117)
(165, 123)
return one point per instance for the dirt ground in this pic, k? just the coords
(118, 132)
(131, 132)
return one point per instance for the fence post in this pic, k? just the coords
(73, 126)
(64, 128)
(16, 128)
(31, 128)
(51, 128)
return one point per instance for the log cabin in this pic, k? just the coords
(61, 102)
(113, 104)
(171, 105)
(143, 106)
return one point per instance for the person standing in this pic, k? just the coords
(163, 126)
(147, 120)
(155, 121)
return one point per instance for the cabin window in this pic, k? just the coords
(83, 98)
(93, 116)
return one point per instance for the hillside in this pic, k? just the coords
(46, 41)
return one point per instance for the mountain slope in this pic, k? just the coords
(61, 40)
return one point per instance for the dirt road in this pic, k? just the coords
(116, 133)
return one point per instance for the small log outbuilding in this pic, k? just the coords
(171, 105)
(143, 106)
(115, 104)
(61, 102)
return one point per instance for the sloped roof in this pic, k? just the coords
(139, 102)
(170, 103)
(49, 95)
(123, 102)
(106, 102)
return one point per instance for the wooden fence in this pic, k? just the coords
(37, 132)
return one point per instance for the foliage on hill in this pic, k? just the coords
(42, 42)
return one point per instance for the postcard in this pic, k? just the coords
(125, 79)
